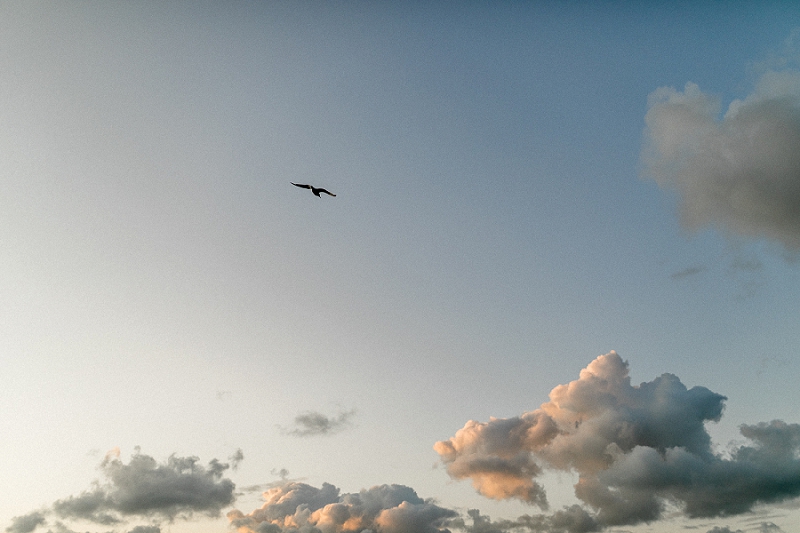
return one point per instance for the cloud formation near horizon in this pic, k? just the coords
(739, 173)
(300, 508)
(143, 488)
(635, 448)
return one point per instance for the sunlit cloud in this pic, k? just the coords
(636, 449)
(298, 507)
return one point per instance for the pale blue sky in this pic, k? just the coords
(495, 229)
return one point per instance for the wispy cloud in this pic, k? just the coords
(294, 507)
(313, 423)
(141, 489)
(739, 172)
(687, 272)
(236, 458)
(634, 447)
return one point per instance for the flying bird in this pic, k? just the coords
(315, 190)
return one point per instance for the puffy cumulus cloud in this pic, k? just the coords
(142, 488)
(300, 508)
(740, 171)
(634, 448)
(312, 423)
(497, 457)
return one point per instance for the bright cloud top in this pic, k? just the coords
(740, 173)
(300, 508)
(634, 447)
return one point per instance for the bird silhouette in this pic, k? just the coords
(315, 190)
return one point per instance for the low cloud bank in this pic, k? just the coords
(300, 508)
(635, 448)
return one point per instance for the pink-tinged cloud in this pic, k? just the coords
(298, 507)
(633, 447)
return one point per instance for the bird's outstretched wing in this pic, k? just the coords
(301, 185)
(317, 191)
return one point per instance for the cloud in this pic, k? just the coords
(142, 488)
(739, 172)
(145, 529)
(635, 448)
(573, 519)
(312, 423)
(300, 508)
(769, 527)
(236, 458)
(686, 272)
(26, 523)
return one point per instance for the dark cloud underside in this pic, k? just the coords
(634, 447)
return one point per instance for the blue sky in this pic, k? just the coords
(522, 188)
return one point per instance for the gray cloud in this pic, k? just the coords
(740, 172)
(142, 488)
(26, 523)
(687, 272)
(573, 519)
(236, 458)
(145, 529)
(312, 423)
(769, 527)
(300, 508)
(634, 447)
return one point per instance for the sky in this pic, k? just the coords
(557, 291)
